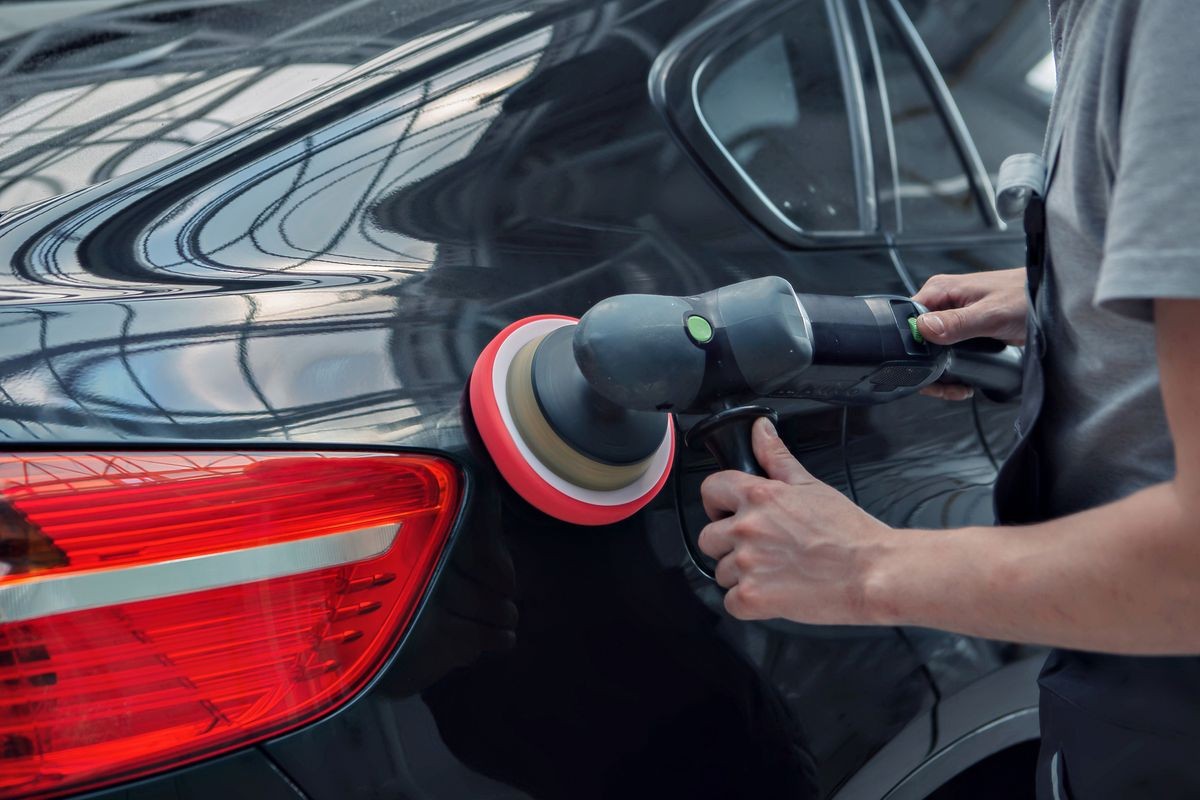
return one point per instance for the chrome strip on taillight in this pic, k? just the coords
(34, 597)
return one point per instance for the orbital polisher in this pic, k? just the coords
(577, 414)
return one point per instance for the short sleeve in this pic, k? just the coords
(1152, 240)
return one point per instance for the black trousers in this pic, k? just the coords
(1119, 728)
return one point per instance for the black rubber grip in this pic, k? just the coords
(988, 365)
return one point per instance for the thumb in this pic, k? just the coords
(773, 455)
(951, 325)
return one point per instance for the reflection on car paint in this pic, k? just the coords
(329, 273)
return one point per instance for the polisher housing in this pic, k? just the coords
(577, 413)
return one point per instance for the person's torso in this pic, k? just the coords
(1103, 431)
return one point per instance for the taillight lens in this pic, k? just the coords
(160, 608)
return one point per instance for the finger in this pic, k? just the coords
(933, 326)
(949, 391)
(952, 325)
(740, 603)
(715, 540)
(957, 392)
(773, 455)
(934, 390)
(947, 291)
(722, 493)
(934, 295)
(726, 574)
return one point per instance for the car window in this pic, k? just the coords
(995, 58)
(775, 101)
(933, 189)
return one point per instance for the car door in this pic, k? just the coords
(780, 106)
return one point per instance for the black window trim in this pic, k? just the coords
(860, 126)
(892, 162)
(691, 51)
(981, 182)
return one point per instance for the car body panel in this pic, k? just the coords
(325, 274)
(245, 775)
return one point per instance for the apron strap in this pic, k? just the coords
(1021, 189)
(1019, 490)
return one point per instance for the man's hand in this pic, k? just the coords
(788, 545)
(1119, 578)
(990, 304)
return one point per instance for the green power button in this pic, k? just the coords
(699, 329)
(916, 332)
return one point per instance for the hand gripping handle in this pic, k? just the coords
(727, 435)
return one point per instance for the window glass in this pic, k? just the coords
(995, 57)
(934, 191)
(775, 101)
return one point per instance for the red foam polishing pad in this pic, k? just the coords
(520, 466)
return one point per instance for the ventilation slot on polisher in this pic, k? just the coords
(897, 376)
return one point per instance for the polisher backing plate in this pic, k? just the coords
(548, 445)
(539, 485)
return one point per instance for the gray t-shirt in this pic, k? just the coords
(1123, 227)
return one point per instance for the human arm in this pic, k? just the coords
(1123, 577)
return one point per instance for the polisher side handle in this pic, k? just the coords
(989, 365)
(727, 435)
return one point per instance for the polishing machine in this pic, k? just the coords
(577, 414)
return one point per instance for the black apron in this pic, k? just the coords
(1115, 727)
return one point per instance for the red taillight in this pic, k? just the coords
(159, 608)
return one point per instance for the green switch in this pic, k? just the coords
(699, 329)
(916, 332)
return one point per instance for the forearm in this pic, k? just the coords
(1124, 577)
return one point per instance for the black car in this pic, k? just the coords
(250, 545)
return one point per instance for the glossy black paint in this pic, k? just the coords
(246, 775)
(327, 273)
